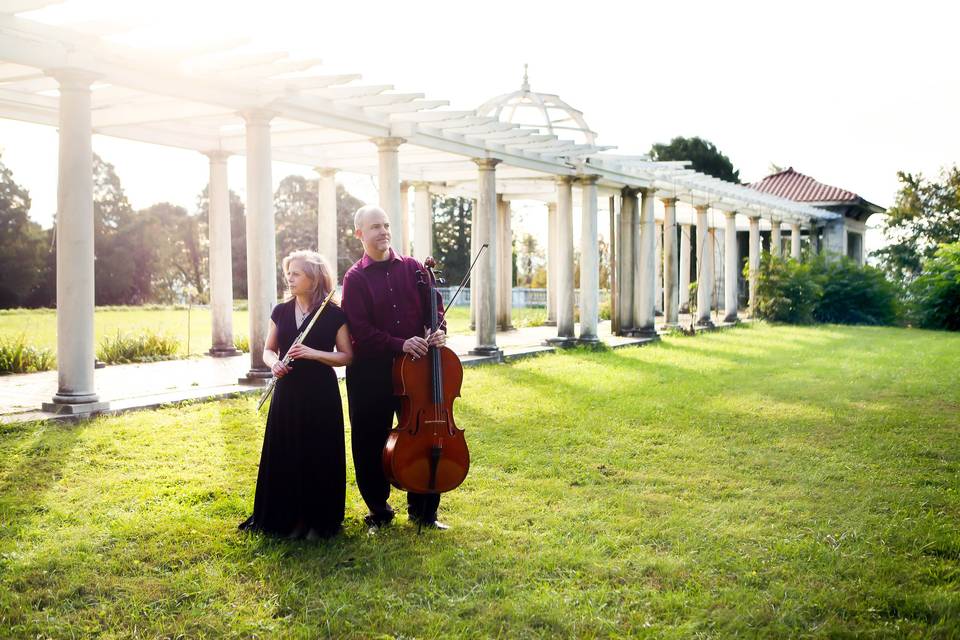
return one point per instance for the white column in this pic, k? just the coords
(658, 265)
(261, 237)
(795, 241)
(704, 277)
(485, 275)
(628, 213)
(221, 261)
(422, 221)
(648, 273)
(564, 268)
(686, 233)
(775, 237)
(551, 264)
(388, 182)
(716, 266)
(613, 207)
(731, 267)
(403, 224)
(505, 268)
(474, 247)
(754, 263)
(670, 297)
(76, 393)
(589, 261)
(327, 230)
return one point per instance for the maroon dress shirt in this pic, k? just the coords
(385, 305)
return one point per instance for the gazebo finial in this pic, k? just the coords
(526, 81)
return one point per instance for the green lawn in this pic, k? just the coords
(757, 482)
(40, 325)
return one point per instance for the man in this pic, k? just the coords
(387, 314)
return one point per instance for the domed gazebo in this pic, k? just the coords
(544, 111)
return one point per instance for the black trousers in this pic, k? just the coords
(372, 410)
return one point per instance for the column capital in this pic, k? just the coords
(388, 143)
(702, 208)
(588, 179)
(564, 179)
(257, 116)
(217, 155)
(326, 172)
(76, 79)
(486, 164)
(670, 201)
(775, 221)
(730, 215)
(629, 192)
(754, 217)
(421, 185)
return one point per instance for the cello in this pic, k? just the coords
(427, 452)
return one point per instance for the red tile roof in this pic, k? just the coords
(795, 186)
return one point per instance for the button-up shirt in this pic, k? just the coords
(385, 305)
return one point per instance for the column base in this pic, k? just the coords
(69, 405)
(589, 341)
(645, 332)
(705, 324)
(490, 351)
(508, 327)
(256, 377)
(733, 319)
(224, 352)
(561, 342)
(550, 323)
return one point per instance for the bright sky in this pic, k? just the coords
(848, 92)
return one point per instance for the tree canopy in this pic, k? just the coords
(702, 154)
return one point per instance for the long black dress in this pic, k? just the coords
(302, 479)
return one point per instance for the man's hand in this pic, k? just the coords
(415, 346)
(436, 339)
(279, 369)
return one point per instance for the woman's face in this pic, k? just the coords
(297, 281)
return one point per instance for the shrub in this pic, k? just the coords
(145, 346)
(935, 294)
(787, 291)
(854, 294)
(241, 343)
(16, 356)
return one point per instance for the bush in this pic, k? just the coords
(787, 291)
(145, 346)
(16, 356)
(854, 294)
(241, 343)
(935, 294)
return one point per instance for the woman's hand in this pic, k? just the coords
(303, 352)
(279, 369)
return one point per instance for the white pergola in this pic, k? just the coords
(222, 99)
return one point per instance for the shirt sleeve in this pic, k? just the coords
(425, 301)
(275, 314)
(358, 306)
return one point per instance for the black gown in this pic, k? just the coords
(302, 477)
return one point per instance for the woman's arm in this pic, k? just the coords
(271, 357)
(339, 358)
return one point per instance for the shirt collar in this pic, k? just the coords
(366, 260)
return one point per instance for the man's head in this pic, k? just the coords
(372, 226)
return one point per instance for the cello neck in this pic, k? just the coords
(436, 370)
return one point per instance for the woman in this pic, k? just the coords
(301, 486)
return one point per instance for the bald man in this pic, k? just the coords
(387, 312)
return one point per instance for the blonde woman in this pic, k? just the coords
(301, 485)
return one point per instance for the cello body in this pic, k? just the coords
(427, 452)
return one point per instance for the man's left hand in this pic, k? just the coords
(436, 339)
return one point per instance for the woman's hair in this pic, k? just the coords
(315, 267)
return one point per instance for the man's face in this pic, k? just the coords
(374, 232)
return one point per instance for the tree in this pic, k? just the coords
(925, 216)
(702, 154)
(529, 260)
(295, 210)
(452, 224)
(349, 249)
(113, 267)
(238, 237)
(22, 243)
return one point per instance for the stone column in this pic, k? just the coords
(221, 261)
(422, 221)
(589, 261)
(704, 277)
(670, 297)
(551, 264)
(795, 241)
(327, 231)
(686, 234)
(613, 203)
(731, 268)
(76, 393)
(505, 267)
(658, 264)
(388, 182)
(564, 272)
(754, 263)
(261, 238)
(485, 275)
(628, 213)
(646, 309)
(775, 237)
(716, 265)
(403, 224)
(474, 247)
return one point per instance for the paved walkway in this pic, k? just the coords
(139, 386)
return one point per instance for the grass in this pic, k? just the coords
(757, 482)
